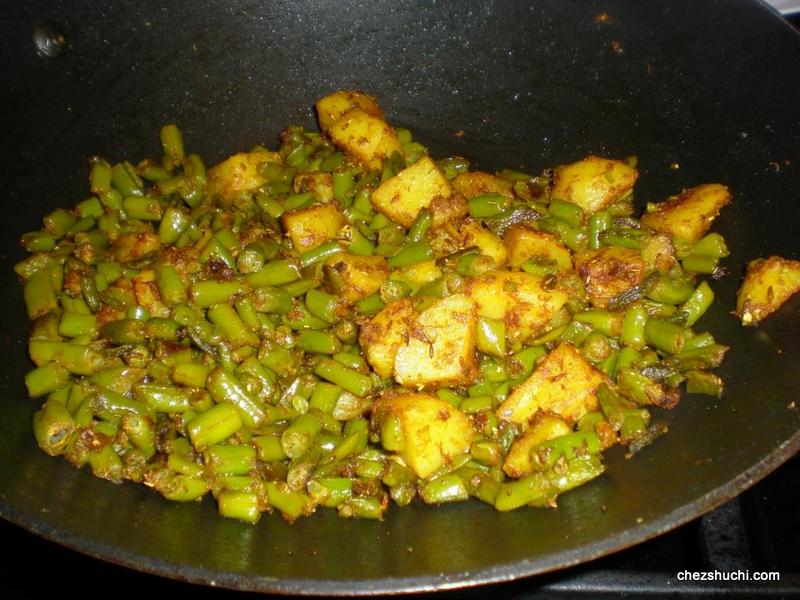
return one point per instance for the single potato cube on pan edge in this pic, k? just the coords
(412, 189)
(689, 215)
(355, 277)
(313, 226)
(523, 243)
(330, 108)
(518, 299)
(238, 175)
(767, 285)
(440, 349)
(519, 461)
(433, 432)
(367, 138)
(593, 183)
(608, 272)
(564, 383)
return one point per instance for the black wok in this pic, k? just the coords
(700, 91)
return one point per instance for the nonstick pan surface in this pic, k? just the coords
(699, 91)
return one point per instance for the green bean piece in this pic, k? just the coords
(628, 357)
(214, 425)
(292, 504)
(59, 221)
(568, 212)
(190, 374)
(172, 142)
(705, 357)
(534, 488)
(182, 488)
(207, 293)
(665, 336)
(236, 332)
(275, 273)
(546, 454)
(410, 254)
(331, 491)
(637, 387)
(319, 342)
(447, 488)
(269, 448)
(700, 264)
(174, 223)
(713, 244)
(106, 463)
(598, 223)
(606, 322)
(348, 379)
(234, 459)
(370, 305)
(225, 388)
(419, 228)
(272, 300)
(170, 286)
(320, 254)
(75, 358)
(244, 506)
(164, 398)
(40, 297)
(140, 432)
(579, 471)
(124, 331)
(53, 427)
(322, 305)
(703, 382)
(633, 324)
(38, 241)
(125, 180)
(487, 205)
(699, 302)
(46, 379)
(670, 290)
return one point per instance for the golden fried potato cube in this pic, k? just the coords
(440, 348)
(475, 234)
(609, 271)
(690, 214)
(418, 275)
(330, 108)
(593, 183)
(367, 138)
(383, 334)
(313, 226)
(147, 295)
(658, 253)
(355, 277)
(434, 432)
(412, 189)
(519, 461)
(318, 183)
(564, 383)
(523, 243)
(477, 183)
(518, 299)
(130, 247)
(768, 283)
(238, 175)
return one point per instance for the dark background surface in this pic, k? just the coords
(709, 87)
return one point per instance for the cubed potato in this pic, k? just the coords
(434, 432)
(320, 184)
(609, 271)
(412, 189)
(440, 348)
(768, 284)
(519, 461)
(383, 334)
(448, 210)
(475, 234)
(238, 175)
(418, 275)
(355, 277)
(130, 247)
(147, 295)
(523, 243)
(477, 183)
(368, 139)
(313, 226)
(563, 383)
(330, 108)
(690, 214)
(518, 299)
(593, 183)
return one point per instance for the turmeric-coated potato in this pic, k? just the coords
(768, 284)
(318, 183)
(365, 137)
(593, 183)
(383, 334)
(523, 243)
(330, 108)
(313, 226)
(477, 183)
(475, 234)
(432, 431)
(519, 461)
(238, 175)
(563, 383)
(440, 347)
(516, 298)
(355, 277)
(689, 215)
(608, 272)
(412, 189)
